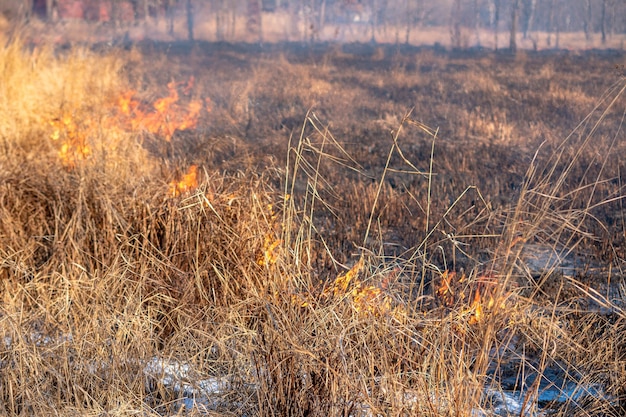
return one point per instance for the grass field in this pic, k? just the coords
(328, 231)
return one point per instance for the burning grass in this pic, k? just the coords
(152, 251)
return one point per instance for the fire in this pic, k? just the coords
(451, 293)
(188, 183)
(477, 308)
(166, 116)
(340, 286)
(365, 299)
(271, 250)
(271, 244)
(74, 145)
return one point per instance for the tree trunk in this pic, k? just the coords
(603, 22)
(408, 21)
(189, 8)
(557, 36)
(169, 16)
(322, 20)
(513, 36)
(233, 19)
(455, 22)
(496, 21)
(374, 18)
(587, 21)
(294, 31)
(477, 21)
(220, 19)
(50, 10)
(550, 23)
(531, 18)
(254, 19)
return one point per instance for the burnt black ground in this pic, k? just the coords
(493, 111)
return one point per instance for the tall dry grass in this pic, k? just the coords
(104, 270)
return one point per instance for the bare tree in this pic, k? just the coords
(322, 16)
(220, 19)
(477, 21)
(455, 24)
(514, 17)
(294, 6)
(532, 5)
(408, 20)
(374, 20)
(50, 9)
(496, 21)
(189, 9)
(587, 20)
(253, 24)
(169, 15)
(550, 22)
(603, 22)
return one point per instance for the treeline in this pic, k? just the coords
(463, 18)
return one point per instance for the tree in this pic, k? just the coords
(169, 13)
(455, 24)
(374, 21)
(253, 24)
(477, 21)
(294, 7)
(496, 21)
(189, 8)
(550, 22)
(50, 9)
(322, 16)
(603, 21)
(532, 5)
(587, 20)
(513, 37)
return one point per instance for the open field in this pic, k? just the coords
(214, 229)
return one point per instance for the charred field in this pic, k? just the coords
(322, 230)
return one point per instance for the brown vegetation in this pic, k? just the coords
(342, 233)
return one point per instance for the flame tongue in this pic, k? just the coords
(74, 146)
(450, 293)
(167, 115)
(164, 118)
(188, 183)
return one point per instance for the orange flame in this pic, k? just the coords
(167, 115)
(365, 299)
(485, 295)
(477, 307)
(164, 117)
(271, 251)
(74, 145)
(188, 183)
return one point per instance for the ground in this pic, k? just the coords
(333, 229)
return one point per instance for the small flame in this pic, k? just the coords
(341, 283)
(365, 299)
(74, 145)
(167, 115)
(164, 117)
(477, 307)
(188, 183)
(271, 250)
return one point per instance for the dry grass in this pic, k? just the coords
(317, 270)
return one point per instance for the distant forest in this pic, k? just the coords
(517, 17)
